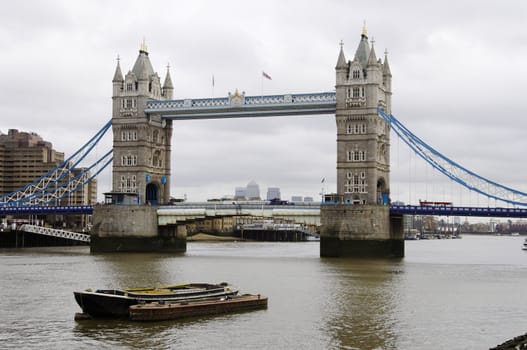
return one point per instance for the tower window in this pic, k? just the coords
(356, 92)
(129, 87)
(356, 74)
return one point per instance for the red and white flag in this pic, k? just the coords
(265, 75)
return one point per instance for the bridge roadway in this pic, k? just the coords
(303, 213)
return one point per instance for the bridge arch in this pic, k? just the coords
(152, 193)
(383, 191)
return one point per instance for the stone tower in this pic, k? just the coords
(356, 220)
(363, 138)
(141, 143)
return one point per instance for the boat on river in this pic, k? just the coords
(161, 311)
(525, 244)
(116, 302)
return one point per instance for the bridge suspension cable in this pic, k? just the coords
(60, 181)
(453, 170)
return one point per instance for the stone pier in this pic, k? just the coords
(360, 231)
(134, 228)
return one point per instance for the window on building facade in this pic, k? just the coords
(356, 74)
(129, 86)
(356, 92)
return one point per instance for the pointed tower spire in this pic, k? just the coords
(386, 67)
(372, 59)
(363, 51)
(341, 62)
(118, 75)
(168, 79)
(143, 73)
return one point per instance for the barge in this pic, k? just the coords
(161, 311)
(116, 302)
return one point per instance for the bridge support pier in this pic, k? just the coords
(134, 228)
(360, 231)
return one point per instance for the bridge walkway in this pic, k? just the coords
(55, 233)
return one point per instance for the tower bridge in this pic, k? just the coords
(357, 220)
(142, 118)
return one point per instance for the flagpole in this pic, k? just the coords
(261, 78)
(212, 85)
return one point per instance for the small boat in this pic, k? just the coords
(115, 302)
(525, 244)
(161, 311)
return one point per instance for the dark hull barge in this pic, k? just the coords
(177, 310)
(116, 302)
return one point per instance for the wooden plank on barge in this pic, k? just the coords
(171, 311)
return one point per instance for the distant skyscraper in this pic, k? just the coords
(240, 193)
(296, 199)
(253, 190)
(273, 193)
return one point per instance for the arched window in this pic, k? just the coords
(356, 74)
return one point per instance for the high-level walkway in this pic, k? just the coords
(240, 106)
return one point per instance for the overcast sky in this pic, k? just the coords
(459, 83)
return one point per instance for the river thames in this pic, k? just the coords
(468, 293)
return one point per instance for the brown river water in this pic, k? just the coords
(469, 293)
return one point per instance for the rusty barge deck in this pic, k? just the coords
(171, 311)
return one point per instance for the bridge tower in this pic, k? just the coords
(356, 220)
(141, 167)
(141, 143)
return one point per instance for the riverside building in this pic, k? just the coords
(25, 157)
